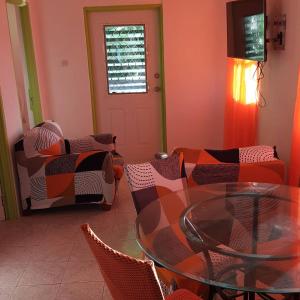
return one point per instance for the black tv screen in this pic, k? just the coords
(246, 29)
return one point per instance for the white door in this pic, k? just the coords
(125, 48)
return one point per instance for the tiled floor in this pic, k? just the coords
(44, 256)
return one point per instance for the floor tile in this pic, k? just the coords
(43, 273)
(59, 234)
(128, 247)
(22, 235)
(6, 293)
(106, 218)
(80, 291)
(83, 271)
(105, 232)
(10, 274)
(81, 252)
(47, 252)
(15, 254)
(125, 231)
(44, 292)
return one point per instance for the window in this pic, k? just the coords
(126, 59)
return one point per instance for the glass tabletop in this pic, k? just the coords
(242, 236)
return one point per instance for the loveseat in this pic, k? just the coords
(54, 171)
(247, 164)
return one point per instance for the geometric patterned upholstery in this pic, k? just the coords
(249, 164)
(152, 180)
(257, 154)
(127, 277)
(51, 178)
(103, 142)
(100, 142)
(46, 138)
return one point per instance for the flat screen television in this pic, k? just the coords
(246, 29)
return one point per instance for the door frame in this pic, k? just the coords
(92, 9)
(34, 91)
(7, 178)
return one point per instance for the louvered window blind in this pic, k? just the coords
(126, 59)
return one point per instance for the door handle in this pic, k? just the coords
(157, 89)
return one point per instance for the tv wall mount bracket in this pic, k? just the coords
(278, 32)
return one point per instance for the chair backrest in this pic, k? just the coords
(126, 277)
(152, 180)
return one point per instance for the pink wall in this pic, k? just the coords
(195, 60)
(194, 66)
(280, 82)
(64, 89)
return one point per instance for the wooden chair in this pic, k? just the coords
(127, 277)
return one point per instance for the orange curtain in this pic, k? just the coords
(241, 104)
(294, 170)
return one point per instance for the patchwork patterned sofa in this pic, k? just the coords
(57, 172)
(247, 164)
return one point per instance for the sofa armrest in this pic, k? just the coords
(99, 142)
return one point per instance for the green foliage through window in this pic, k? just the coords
(255, 37)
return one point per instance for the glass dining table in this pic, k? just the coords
(231, 236)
